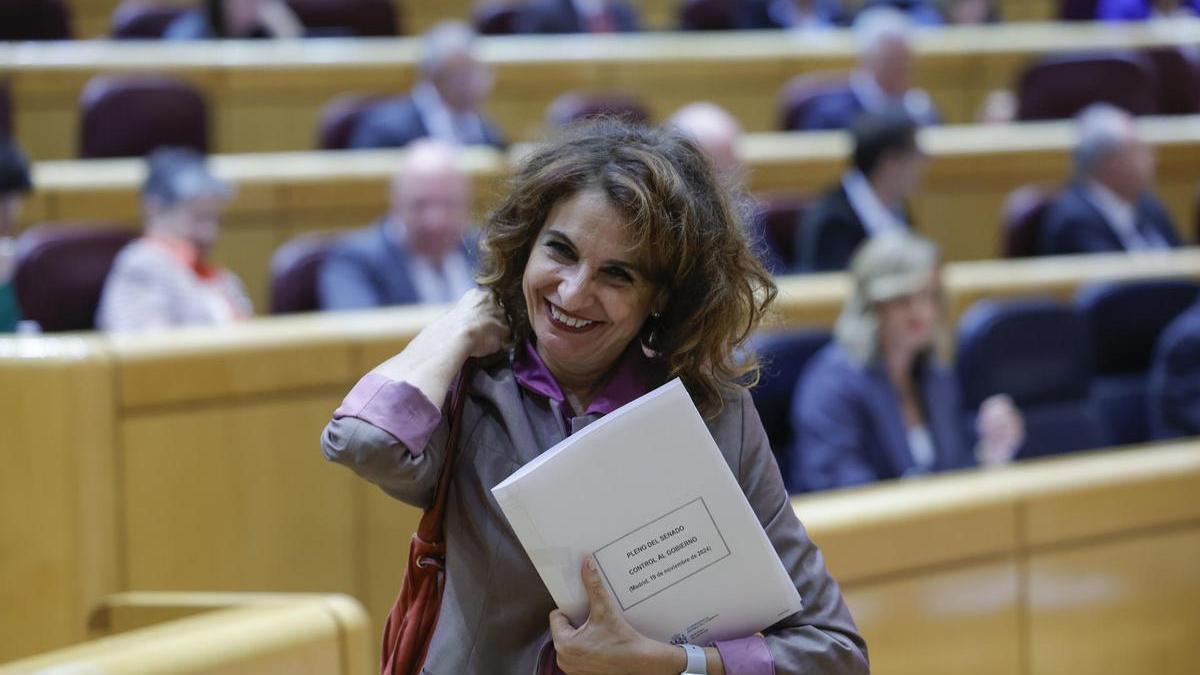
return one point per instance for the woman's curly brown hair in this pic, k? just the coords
(679, 217)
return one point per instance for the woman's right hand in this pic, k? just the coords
(478, 321)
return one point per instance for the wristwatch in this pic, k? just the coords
(697, 662)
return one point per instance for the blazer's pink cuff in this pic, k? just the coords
(747, 656)
(396, 407)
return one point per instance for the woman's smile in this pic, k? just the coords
(565, 321)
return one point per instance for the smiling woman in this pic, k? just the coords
(614, 264)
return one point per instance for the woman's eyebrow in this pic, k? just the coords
(624, 264)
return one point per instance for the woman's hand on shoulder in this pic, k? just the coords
(606, 644)
(478, 322)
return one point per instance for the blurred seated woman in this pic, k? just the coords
(236, 19)
(875, 403)
(614, 264)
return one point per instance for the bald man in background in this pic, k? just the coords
(718, 134)
(419, 251)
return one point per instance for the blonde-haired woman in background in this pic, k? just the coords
(877, 403)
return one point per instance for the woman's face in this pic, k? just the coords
(908, 324)
(586, 296)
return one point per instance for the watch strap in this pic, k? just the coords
(697, 660)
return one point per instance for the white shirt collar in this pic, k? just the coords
(1121, 216)
(876, 217)
(441, 122)
(868, 92)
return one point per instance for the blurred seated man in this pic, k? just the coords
(717, 134)
(1174, 382)
(789, 14)
(922, 12)
(414, 254)
(445, 104)
(165, 278)
(579, 16)
(14, 185)
(1140, 10)
(871, 197)
(236, 19)
(969, 12)
(876, 403)
(883, 79)
(1109, 206)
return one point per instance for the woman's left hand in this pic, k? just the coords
(1001, 430)
(606, 644)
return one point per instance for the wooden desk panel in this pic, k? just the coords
(1125, 606)
(239, 498)
(58, 527)
(961, 620)
(266, 96)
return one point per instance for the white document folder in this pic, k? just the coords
(646, 491)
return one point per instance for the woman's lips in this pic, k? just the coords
(566, 328)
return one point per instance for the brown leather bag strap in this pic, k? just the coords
(432, 528)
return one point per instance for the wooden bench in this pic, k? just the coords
(227, 633)
(267, 96)
(282, 195)
(189, 459)
(1082, 564)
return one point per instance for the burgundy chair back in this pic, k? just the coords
(128, 116)
(294, 270)
(800, 92)
(496, 18)
(1024, 209)
(339, 117)
(781, 214)
(141, 20)
(1077, 10)
(1059, 86)
(706, 15)
(34, 20)
(61, 268)
(354, 18)
(575, 106)
(1177, 71)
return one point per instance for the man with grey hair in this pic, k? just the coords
(717, 133)
(883, 79)
(1109, 206)
(445, 104)
(414, 254)
(165, 278)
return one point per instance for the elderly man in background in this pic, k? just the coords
(871, 198)
(717, 134)
(165, 277)
(883, 79)
(14, 184)
(445, 104)
(414, 254)
(1109, 206)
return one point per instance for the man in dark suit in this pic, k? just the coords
(1109, 206)
(578, 16)
(1173, 387)
(883, 79)
(789, 14)
(870, 199)
(416, 253)
(444, 105)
